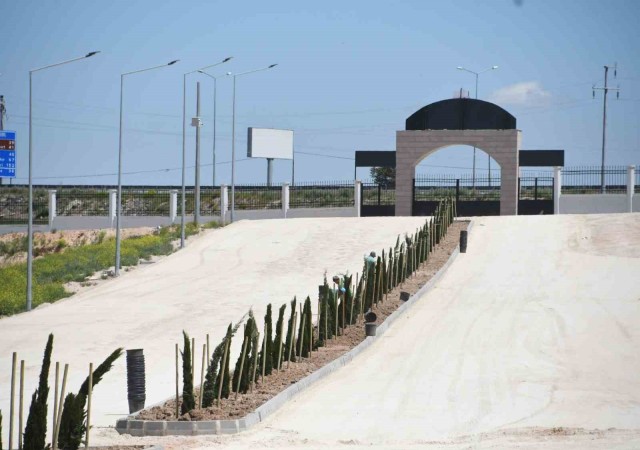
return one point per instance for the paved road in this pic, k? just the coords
(538, 325)
(201, 289)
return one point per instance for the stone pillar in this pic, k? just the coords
(285, 199)
(631, 185)
(557, 188)
(357, 196)
(113, 206)
(173, 205)
(52, 207)
(224, 203)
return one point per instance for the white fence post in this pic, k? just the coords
(52, 207)
(631, 186)
(113, 197)
(173, 205)
(285, 199)
(557, 188)
(357, 195)
(224, 203)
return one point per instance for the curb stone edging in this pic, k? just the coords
(140, 428)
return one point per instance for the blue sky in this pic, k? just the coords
(349, 74)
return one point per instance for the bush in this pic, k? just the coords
(36, 429)
(266, 352)
(188, 399)
(223, 375)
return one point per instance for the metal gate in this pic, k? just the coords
(479, 196)
(535, 195)
(377, 200)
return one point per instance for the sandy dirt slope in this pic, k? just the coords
(213, 282)
(531, 337)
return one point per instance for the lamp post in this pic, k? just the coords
(119, 195)
(30, 219)
(233, 137)
(474, 148)
(215, 88)
(184, 145)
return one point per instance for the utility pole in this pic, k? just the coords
(606, 89)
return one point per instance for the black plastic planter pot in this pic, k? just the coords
(463, 241)
(135, 380)
(370, 329)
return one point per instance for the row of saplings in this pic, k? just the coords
(338, 305)
(70, 425)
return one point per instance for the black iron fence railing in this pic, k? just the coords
(535, 188)
(594, 180)
(463, 188)
(330, 194)
(82, 202)
(14, 205)
(378, 194)
(257, 196)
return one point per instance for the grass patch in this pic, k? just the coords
(53, 270)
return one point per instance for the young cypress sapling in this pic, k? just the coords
(188, 399)
(289, 341)
(266, 357)
(36, 428)
(278, 341)
(250, 333)
(223, 375)
(305, 334)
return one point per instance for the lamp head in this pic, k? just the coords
(494, 67)
(460, 68)
(272, 65)
(227, 59)
(90, 54)
(173, 62)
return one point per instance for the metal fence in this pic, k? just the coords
(257, 196)
(535, 187)
(82, 202)
(461, 187)
(588, 180)
(14, 205)
(378, 194)
(330, 194)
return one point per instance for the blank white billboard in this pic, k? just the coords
(270, 143)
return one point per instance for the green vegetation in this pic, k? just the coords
(188, 399)
(73, 422)
(36, 429)
(52, 271)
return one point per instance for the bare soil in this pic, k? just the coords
(270, 386)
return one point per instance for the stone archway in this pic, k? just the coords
(458, 122)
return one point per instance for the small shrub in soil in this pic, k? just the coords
(223, 375)
(210, 392)
(305, 335)
(286, 354)
(188, 399)
(72, 423)
(250, 336)
(279, 339)
(36, 428)
(266, 359)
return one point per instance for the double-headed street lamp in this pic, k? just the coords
(215, 89)
(474, 149)
(119, 200)
(183, 202)
(30, 219)
(233, 137)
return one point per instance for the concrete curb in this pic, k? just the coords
(134, 427)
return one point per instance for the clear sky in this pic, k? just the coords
(349, 74)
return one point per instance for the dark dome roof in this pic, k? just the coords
(461, 114)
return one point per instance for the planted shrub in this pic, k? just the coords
(287, 355)
(266, 356)
(279, 339)
(36, 428)
(210, 393)
(72, 423)
(188, 399)
(305, 335)
(223, 374)
(250, 334)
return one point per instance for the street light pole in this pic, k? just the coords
(474, 148)
(233, 137)
(119, 195)
(215, 90)
(30, 218)
(183, 202)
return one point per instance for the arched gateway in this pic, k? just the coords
(461, 121)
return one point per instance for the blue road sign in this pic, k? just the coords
(7, 154)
